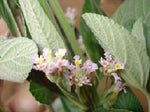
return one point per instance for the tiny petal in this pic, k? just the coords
(89, 66)
(107, 53)
(116, 77)
(34, 58)
(76, 57)
(60, 53)
(78, 61)
(119, 86)
(47, 52)
(85, 81)
(104, 63)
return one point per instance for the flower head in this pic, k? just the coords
(77, 60)
(70, 12)
(84, 81)
(89, 66)
(47, 52)
(116, 77)
(108, 56)
(61, 53)
(37, 60)
(119, 87)
(104, 62)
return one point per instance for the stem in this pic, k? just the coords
(66, 27)
(148, 97)
(71, 97)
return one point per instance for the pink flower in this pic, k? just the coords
(71, 72)
(71, 67)
(116, 77)
(118, 65)
(61, 53)
(119, 86)
(51, 68)
(34, 58)
(85, 81)
(47, 52)
(77, 60)
(89, 67)
(108, 56)
(62, 63)
(70, 13)
(103, 62)
(40, 67)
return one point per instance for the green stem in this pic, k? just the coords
(66, 27)
(71, 97)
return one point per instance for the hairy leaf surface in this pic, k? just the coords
(15, 58)
(40, 27)
(121, 44)
(132, 10)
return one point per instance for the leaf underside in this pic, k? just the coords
(15, 58)
(42, 30)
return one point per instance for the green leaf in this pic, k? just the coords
(132, 10)
(6, 14)
(111, 110)
(92, 46)
(128, 101)
(40, 78)
(121, 44)
(40, 93)
(139, 42)
(41, 28)
(68, 106)
(15, 58)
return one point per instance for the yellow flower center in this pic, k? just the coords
(60, 55)
(40, 61)
(118, 66)
(48, 54)
(77, 61)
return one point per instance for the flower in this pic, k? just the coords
(77, 60)
(47, 52)
(104, 62)
(116, 77)
(89, 67)
(84, 81)
(108, 56)
(61, 53)
(51, 68)
(70, 12)
(119, 86)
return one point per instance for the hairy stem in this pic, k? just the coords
(71, 97)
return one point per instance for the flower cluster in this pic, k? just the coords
(49, 64)
(70, 13)
(80, 74)
(52, 65)
(111, 67)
